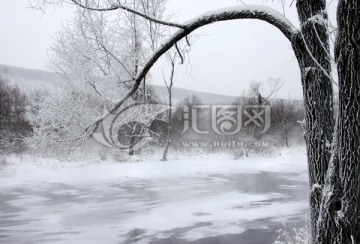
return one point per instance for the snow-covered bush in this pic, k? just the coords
(294, 236)
(58, 118)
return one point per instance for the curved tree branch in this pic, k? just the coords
(259, 12)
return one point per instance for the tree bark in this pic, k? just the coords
(311, 46)
(348, 61)
(339, 221)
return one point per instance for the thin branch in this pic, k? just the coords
(102, 45)
(316, 61)
(180, 55)
(120, 6)
(92, 84)
(187, 41)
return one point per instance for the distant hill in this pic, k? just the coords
(29, 80)
(206, 98)
(32, 79)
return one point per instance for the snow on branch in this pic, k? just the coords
(318, 19)
(258, 12)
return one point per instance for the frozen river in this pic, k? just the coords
(210, 200)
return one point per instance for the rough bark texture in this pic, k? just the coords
(311, 47)
(340, 214)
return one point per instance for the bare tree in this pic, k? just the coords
(105, 51)
(260, 96)
(56, 116)
(286, 116)
(13, 123)
(5, 115)
(169, 85)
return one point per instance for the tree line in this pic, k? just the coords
(14, 126)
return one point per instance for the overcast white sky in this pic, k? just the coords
(225, 57)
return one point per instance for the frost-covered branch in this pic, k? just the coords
(95, 7)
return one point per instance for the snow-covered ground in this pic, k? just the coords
(209, 199)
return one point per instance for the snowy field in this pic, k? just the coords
(209, 199)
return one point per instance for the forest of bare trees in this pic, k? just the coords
(14, 126)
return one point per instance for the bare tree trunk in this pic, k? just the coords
(135, 52)
(256, 134)
(168, 139)
(144, 90)
(340, 214)
(169, 88)
(311, 46)
(285, 135)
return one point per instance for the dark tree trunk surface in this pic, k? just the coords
(340, 213)
(311, 46)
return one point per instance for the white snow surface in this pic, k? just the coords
(248, 7)
(107, 202)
